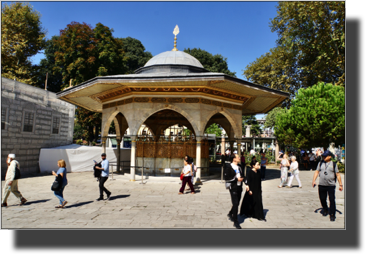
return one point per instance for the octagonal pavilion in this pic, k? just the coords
(172, 88)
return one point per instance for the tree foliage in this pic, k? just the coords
(213, 63)
(82, 53)
(270, 118)
(22, 36)
(135, 53)
(251, 120)
(315, 32)
(310, 47)
(316, 117)
(275, 70)
(214, 129)
(48, 66)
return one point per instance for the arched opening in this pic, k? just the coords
(113, 136)
(173, 137)
(165, 119)
(224, 139)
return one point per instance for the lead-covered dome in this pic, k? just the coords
(174, 58)
(170, 63)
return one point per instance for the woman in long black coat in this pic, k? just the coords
(252, 205)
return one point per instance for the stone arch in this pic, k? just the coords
(229, 118)
(118, 123)
(138, 123)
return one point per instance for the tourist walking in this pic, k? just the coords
(11, 181)
(59, 193)
(263, 164)
(103, 177)
(190, 160)
(294, 172)
(187, 174)
(284, 168)
(312, 161)
(233, 175)
(252, 205)
(328, 175)
(305, 160)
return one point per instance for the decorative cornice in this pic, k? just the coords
(171, 100)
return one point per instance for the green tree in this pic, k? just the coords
(310, 48)
(275, 70)
(214, 129)
(270, 118)
(22, 36)
(136, 55)
(316, 117)
(83, 53)
(315, 33)
(213, 63)
(251, 120)
(48, 65)
(110, 54)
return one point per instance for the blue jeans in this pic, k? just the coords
(59, 195)
(263, 168)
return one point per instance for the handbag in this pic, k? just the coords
(57, 184)
(181, 177)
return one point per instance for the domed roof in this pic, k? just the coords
(174, 58)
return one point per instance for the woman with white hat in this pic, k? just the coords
(11, 181)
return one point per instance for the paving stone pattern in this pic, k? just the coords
(157, 205)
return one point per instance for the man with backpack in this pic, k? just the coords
(328, 174)
(11, 181)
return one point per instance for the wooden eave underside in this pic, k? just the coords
(253, 100)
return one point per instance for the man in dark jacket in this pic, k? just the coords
(233, 173)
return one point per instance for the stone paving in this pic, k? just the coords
(157, 205)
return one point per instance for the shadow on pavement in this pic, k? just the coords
(118, 197)
(79, 204)
(320, 210)
(36, 202)
(241, 218)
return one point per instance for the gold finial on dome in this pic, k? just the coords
(175, 32)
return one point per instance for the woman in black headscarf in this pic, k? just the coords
(252, 205)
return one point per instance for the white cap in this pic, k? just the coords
(12, 156)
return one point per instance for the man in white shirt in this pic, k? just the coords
(235, 190)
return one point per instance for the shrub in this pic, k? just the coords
(341, 167)
(78, 142)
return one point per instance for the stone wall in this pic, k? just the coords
(24, 105)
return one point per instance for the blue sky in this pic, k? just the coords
(237, 30)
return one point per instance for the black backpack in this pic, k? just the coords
(228, 172)
(97, 172)
(17, 173)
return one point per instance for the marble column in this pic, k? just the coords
(248, 131)
(198, 159)
(118, 140)
(223, 145)
(133, 157)
(104, 140)
(239, 147)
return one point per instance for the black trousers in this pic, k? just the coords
(102, 189)
(323, 191)
(235, 193)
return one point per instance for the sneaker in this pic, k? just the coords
(4, 204)
(108, 196)
(23, 201)
(332, 218)
(100, 199)
(325, 212)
